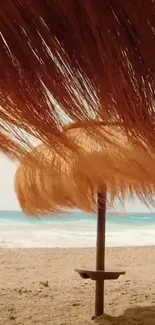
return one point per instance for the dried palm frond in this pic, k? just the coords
(73, 181)
(77, 60)
(10, 147)
(50, 187)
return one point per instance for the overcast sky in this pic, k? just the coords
(8, 200)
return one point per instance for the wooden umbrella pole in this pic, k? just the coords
(100, 253)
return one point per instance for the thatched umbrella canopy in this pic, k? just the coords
(117, 167)
(72, 179)
(55, 67)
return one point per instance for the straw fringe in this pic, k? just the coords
(55, 67)
(52, 187)
(59, 183)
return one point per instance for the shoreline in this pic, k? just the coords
(52, 236)
(76, 247)
(40, 286)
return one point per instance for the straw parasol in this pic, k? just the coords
(82, 180)
(55, 68)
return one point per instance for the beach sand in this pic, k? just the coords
(27, 298)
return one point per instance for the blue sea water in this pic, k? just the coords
(75, 229)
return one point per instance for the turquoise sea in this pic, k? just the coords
(75, 229)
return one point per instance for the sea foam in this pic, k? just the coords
(75, 230)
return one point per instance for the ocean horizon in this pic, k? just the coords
(75, 229)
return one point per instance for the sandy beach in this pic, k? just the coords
(39, 286)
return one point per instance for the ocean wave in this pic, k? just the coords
(31, 236)
(75, 230)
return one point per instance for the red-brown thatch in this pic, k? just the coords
(76, 60)
(72, 181)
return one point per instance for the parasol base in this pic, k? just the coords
(100, 274)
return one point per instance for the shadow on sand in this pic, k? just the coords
(132, 316)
